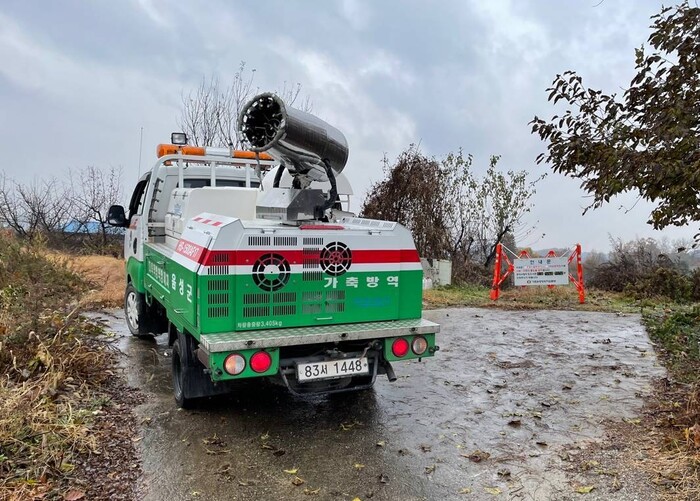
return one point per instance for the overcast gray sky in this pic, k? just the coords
(78, 80)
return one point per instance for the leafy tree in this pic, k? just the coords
(451, 212)
(648, 139)
(413, 194)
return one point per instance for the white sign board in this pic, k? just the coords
(541, 271)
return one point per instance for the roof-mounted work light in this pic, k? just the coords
(179, 138)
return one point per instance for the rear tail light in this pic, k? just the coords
(234, 364)
(399, 347)
(260, 361)
(419, 345)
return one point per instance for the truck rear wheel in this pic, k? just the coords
(136, 312)
(190, 383)
(182, 372)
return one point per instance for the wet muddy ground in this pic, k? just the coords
(499, 413)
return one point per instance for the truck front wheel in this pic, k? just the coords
(135, 311)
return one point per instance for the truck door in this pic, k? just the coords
(133, 238)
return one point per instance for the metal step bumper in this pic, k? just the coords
(233, 341)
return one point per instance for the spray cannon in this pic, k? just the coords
(309, 148)
(303, 142)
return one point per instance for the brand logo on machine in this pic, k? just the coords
(336, 258)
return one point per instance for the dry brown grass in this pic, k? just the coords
(52, 369)
(105, 275)
(674, 460)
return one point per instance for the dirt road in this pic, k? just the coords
(502, 412)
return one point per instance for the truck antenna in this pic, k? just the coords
(140, 149)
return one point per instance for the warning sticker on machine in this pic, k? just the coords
(541, 271)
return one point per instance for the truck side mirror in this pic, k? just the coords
(117, 217)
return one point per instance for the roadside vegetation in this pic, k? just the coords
(57, 379)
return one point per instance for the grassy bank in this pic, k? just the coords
(54, 373)
(565, 298)
(674, 413)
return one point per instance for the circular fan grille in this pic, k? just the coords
(271, 272)
(336, 258)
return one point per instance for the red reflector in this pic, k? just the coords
(260, 361)
(399, 347)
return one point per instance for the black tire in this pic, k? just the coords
(190, 382)
(136, 312)
(183, 371)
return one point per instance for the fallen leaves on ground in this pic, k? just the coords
(493, 490)
(73, 495)
(584, 489)
(312, 492)
(297, 481)
(465, 490)
(430, 469)
(292, 471)
(477, 456)
(358, 466)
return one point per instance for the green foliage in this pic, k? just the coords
(677, 330)
(649, 139)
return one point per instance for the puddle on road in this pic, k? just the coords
(518, 385)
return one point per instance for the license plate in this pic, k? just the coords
(332, 369)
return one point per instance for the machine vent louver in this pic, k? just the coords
(311, 296)
(286, 241)
(313, 241)
(310, 309)
(284, 309)
(218, 311)
(258, 241)
(218, 285)
(284, 297)
(256, 311)
(256, 298)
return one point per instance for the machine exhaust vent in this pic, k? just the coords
(336, 258)
(271, 272)
(258, 241)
